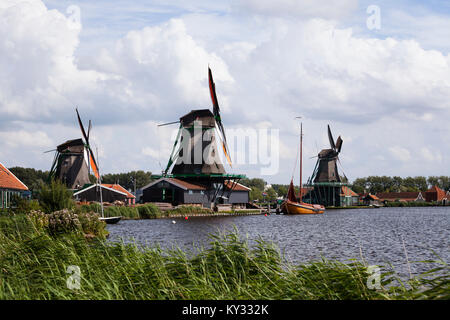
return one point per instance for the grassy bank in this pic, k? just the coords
(34, 262)
(150, 211)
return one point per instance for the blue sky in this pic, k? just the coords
(134, 64)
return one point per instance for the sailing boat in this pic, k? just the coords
(96, 171)
(291, 205)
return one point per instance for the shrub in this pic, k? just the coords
(39, 219)
(67, 221)
(55, 197)
(91, 225)
(189, 209)
(63, 221)
(149, 211)
(94, 207)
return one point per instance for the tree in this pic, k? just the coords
(126, 180)
(359, 185)
(55, 196)
(271, 194)
(255, 182)
(32, 178)
(255, 194)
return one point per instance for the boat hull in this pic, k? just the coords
(290, 207)
(111, 220)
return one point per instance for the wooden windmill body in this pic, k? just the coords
(195, 158)
(325, 180)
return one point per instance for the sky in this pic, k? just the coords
(377, 72)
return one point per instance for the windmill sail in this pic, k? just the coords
(330, 137)
(216, 112)
(92, 162)
(339, 144)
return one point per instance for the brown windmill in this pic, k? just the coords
(73, 161)
(325, 179)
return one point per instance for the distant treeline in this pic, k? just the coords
(373, 184)
(127, 179)
(376, 184)
(33, 178)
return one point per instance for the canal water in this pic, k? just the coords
(381, 236)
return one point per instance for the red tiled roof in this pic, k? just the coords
(118, 187)
(236, 187)
(405, 196)
(188, 185)
(9, 181)
(373, 197)
(435, 194)
(346, 191)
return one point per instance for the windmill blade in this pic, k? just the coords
(212, 91)
(93, 164)
(89, 130)
(216, 112)
(166, 124)
(339, 142)
(82, 127)
(50, 151)
(330, 138)
(92, 161)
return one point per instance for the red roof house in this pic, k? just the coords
(436, 194)
(400, 196)
(130, 197)
(10, 185)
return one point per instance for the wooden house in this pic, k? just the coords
(436, 194)
(10, 186)
(177, 191)
(348, 197)
(110, 193)
(400, 196)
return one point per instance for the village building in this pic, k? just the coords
(400, 197)
(177, 191)
(436, 194)
(110, 193)
(348, 197)
(10, 186)
(130, 200)
(368, 199)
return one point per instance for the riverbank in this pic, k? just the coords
(37, 265)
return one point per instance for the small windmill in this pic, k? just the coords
(73, 161)
(326, 167)
(325, 179)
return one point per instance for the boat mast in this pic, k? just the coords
(301, 162)
(99, 182)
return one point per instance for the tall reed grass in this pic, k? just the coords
(33, 265)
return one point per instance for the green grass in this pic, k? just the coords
(33, 265)
(412, 204)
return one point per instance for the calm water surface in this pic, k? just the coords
(381, 235)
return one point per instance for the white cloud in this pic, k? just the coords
(400, 153)
(300, 8)
(380, 93)
(26, 139)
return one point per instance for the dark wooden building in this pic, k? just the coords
(91, 193)
(177, 191)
